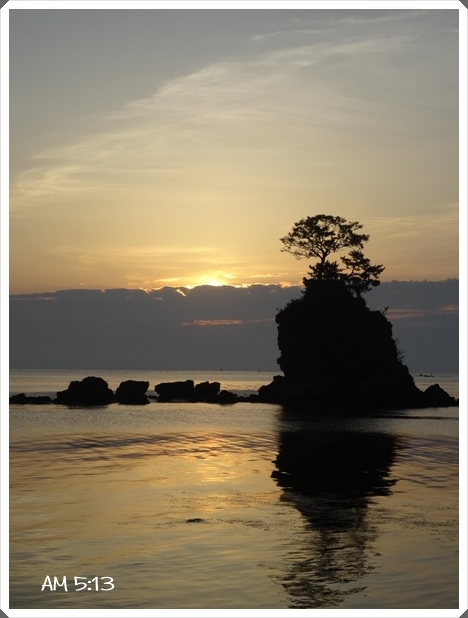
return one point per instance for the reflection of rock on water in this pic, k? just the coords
(350, 463)
(330, 477)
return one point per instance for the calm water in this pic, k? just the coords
(344, 513)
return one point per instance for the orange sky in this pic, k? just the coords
(139, 163)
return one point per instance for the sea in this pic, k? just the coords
(244, 506)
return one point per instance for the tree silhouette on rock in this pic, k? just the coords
(335, 351)
(322, 235)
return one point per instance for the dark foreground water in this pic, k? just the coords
(244, 506)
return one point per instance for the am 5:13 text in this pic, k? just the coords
(77, 584)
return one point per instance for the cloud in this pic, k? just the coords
(225, 322)
(289, 101)
(208, 327)
(214, 323)
(404, 314)
(333, 115)
(439, 218)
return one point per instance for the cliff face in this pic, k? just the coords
(336, 351)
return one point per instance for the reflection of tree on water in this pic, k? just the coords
(330, 473)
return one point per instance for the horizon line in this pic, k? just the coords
(281, 285)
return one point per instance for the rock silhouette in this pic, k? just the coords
(175, 391)
(435, 396)
(90, 391)
(206, 391)
(94, 391)
(338, 353)
(21, 399)
(132, 392)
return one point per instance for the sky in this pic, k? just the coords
(153, 148)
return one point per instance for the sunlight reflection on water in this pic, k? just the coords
(289, 512)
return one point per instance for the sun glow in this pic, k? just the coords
(215, 279)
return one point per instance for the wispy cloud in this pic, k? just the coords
(134, 254)
(404, 314)
(435, 219)
(269, 104)
(198, 181)
(213, 323)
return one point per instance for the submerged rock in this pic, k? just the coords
(21, 399)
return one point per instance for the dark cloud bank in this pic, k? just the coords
(209, 327)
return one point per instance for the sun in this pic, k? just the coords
(216, 279)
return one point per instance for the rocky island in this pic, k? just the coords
(336, 354)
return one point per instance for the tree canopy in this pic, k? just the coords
(321, 236)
